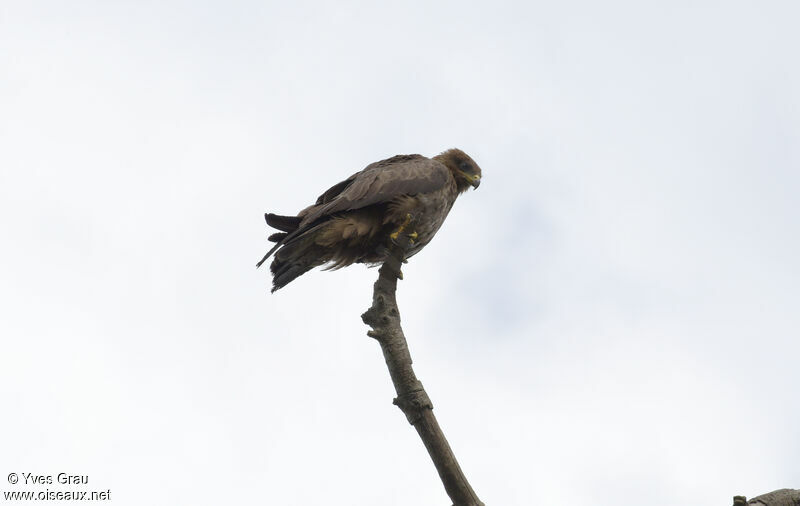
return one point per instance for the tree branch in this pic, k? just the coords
(384, 318)
(782, 497)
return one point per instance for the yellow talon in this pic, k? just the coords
(412, 237)
(399, 274)
(394, 235)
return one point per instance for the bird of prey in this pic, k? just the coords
(354, 220)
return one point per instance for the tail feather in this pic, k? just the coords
(283, 223)
(297, 257)
(298, 250)
(289, 273)
(288, 225)
(270, 252)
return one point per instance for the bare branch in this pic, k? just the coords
(384, 318)
(782, 497)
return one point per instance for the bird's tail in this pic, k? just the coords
(297, 256)
(283, 223)
(297, 249)
(288, 225)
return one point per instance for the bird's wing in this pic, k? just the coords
(379, 182)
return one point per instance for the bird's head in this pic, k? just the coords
(464, 169)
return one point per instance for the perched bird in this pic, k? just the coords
(354, 220)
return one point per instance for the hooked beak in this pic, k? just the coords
(475, 181)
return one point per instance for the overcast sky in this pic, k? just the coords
(612, 318)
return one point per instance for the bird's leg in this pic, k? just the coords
(411, 237)
(394, 235)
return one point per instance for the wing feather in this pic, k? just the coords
(378, 183)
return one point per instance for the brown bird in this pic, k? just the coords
(354, 220)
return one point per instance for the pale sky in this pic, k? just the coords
(611, 318)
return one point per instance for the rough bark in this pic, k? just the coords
(384, 318)
(782, 497)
